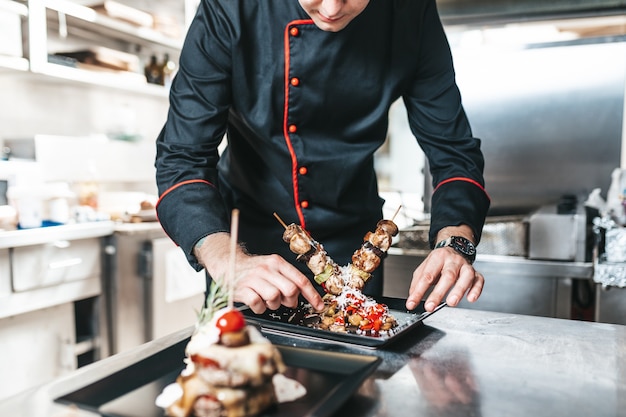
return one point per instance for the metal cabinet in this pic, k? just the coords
(55, 262)
(513, 284)
(151, 290)
(50, 288)
(37, 347)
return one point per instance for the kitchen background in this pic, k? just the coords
(543, 84)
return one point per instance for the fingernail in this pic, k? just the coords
(453, 300)
(411, 305)
(430, 306)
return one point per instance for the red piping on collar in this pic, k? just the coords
(471, 181)
(294, 159)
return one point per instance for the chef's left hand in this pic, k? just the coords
(448, 272)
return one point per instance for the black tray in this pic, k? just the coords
(330, 378)
(279, 322)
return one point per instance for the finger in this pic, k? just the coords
(424, 277)
(477, 288)
(465, 281)
(442, 273)
(277, 290)
(446, 281)
(251, 298)
(265, 279)
(291, 282)
(270, 294)
(307, 290)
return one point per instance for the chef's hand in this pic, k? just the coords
(263, 281)
(448, 272)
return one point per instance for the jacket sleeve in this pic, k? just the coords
(190, 206)
(438, 121)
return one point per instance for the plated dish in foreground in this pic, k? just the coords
(231, 369)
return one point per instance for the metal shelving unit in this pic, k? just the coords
(64, 21)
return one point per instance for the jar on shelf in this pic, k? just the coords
(154, 71)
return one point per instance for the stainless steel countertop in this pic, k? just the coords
(41, 235)
(460, 363)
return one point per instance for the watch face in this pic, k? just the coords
(464, 246)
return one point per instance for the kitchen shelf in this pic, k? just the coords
(86, 18)
(12, 6)
(118, 80)
(55, 25)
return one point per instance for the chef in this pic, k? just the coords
(301, 90)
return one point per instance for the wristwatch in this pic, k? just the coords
(463, 246)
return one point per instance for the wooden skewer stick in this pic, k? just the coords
(396, 213)
(280, 220)
(234, 226)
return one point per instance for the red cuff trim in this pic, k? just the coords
(172, 188)
(471, 181)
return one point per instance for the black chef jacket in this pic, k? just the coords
(304, 110)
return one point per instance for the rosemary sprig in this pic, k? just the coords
(217, 298)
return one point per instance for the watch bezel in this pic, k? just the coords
(460, 244)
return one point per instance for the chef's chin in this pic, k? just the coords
(330, 25)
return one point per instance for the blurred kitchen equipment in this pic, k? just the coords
(502, 235)
(610, 270)
(558, 231)
(151, 290)
(8, 217)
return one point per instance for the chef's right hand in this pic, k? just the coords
(263, 281)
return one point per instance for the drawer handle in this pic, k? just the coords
(64, 264)
(61, 244)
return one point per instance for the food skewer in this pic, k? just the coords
(327, 273)
(346, 307)
(396, 213)
(230, 279)
(280, 220)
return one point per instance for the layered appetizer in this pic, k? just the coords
(231, 369)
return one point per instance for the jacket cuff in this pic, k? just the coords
(456, 203)
(190, 212)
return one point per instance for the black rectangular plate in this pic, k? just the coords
(330, 378)
(271, 322)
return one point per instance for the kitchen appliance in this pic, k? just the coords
(558, 231)
(151, 290)
(532, 264)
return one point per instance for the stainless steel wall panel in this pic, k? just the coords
(550, 118)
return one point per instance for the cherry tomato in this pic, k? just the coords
(231, 321)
